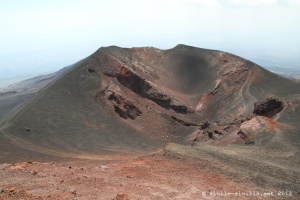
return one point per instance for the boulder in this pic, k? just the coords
(268, 107)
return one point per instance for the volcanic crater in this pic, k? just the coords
(213, 108)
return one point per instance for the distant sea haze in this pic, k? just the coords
(4, 83)
(16, 67)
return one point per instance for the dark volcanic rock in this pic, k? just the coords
(218, 132)
(242, 135)
(204, 125)
(178, 107)
(268, 107)
(148, 90)
(183, 122)
(122, 106)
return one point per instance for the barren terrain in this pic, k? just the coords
(145, 123)
(154, 176)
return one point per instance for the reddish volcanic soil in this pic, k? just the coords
(155, 176)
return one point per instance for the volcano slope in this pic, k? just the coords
(18, 93)
(207, 105)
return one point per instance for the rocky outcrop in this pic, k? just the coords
(204, 125)
(257, 122)
(122, 106)
(163, 99)
(208, 131)
(216, 89)
(146, 89)
(184, 122)
(268, 107)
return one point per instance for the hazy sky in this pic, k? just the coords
(42, 36)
